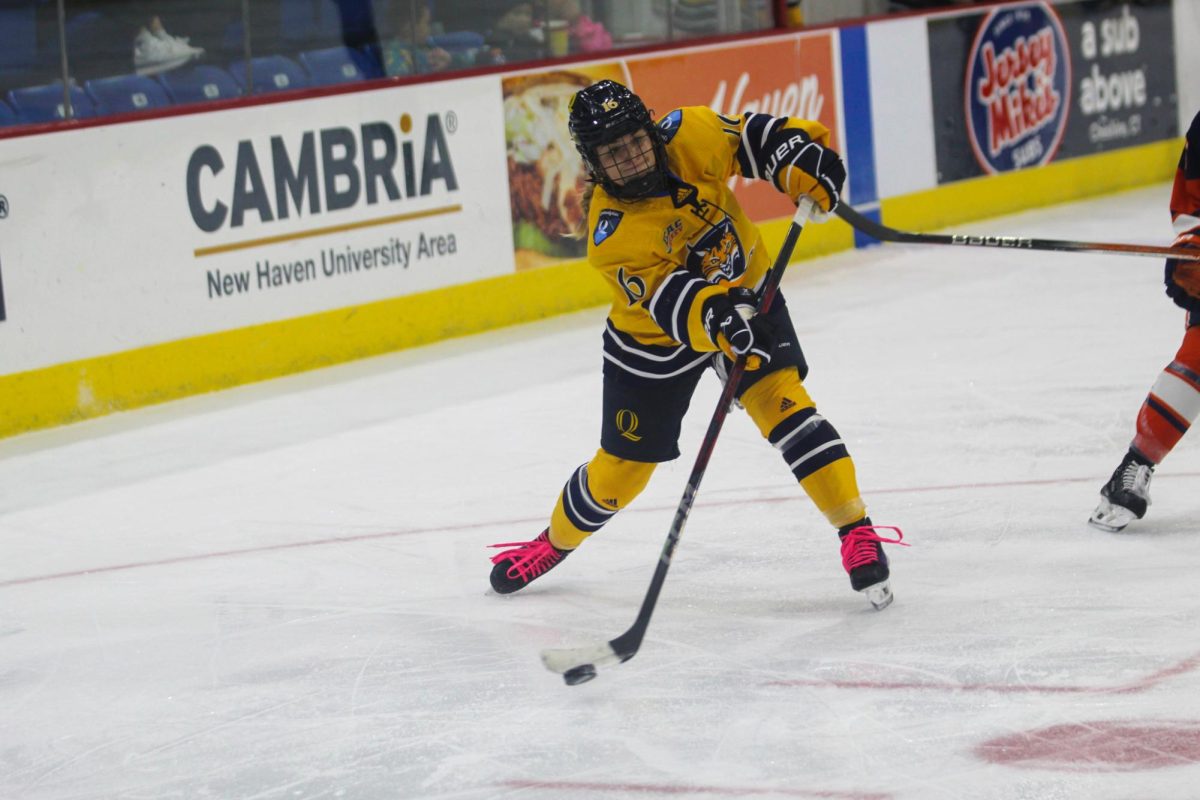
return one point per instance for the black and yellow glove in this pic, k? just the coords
(800, 166)
(733, 326)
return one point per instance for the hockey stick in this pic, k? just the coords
(883, 233)
(578, 664)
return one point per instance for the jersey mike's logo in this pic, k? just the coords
(1018, 88)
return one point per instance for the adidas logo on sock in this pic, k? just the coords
(786, 404)
(611, 502)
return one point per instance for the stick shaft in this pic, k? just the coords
(626, 645)
(883, 233)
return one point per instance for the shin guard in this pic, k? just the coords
(593, 495)
(1173, 403)
(812, 448)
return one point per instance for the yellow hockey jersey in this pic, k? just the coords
(664, 256)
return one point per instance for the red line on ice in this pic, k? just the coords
(1142, 684)
(519, 523)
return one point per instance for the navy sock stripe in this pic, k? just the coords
(809, 438)
(1182, 371)
(580, 507)
(819, 460)
(790, 425)
(812, 445)
(1170, 416)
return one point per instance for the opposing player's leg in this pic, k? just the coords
(640, 428)
(1167, 413)
(815, 453)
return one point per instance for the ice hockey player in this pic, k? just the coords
(682, 260)
(1174, 400)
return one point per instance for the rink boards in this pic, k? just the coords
(152, 258)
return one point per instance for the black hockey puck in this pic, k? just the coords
(581, 674)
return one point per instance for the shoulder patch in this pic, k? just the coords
(669, 125)
(606, 225)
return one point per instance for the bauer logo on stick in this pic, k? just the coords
(1018, 88)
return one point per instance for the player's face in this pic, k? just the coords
(627, 158)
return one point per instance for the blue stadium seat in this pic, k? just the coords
(199, 84)
(271, 74)
(125, 93)
(7, 117)
(335, 65)
(45, 103)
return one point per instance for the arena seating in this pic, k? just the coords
(270, 74)
(123, 94)
(333, 65)
(45, 103)
(199, 84)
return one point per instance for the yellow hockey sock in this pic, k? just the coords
(595, 492)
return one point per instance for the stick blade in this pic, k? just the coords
(563, 660)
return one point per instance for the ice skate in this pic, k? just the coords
(865, 561)
(1125, 497)
(516, 567)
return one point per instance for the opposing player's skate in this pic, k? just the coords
(865, 561)
(1125, 497)
(523, 562)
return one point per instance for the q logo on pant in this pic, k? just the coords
(627, 424)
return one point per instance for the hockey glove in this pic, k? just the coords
(733, 327)
(807, 168)
(1183, 281)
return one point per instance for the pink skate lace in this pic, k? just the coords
(529, 559)
(858, 546)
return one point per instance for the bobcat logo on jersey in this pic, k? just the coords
(606, 225)
(718, 254)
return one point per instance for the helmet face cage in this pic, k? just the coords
(600, 116)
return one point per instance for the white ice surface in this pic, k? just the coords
(281, 591)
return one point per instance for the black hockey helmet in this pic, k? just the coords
(601, 114)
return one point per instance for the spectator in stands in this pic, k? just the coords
(508, 28)
(412, 50)
(586, 35)
(155, 50)
(101, 35)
